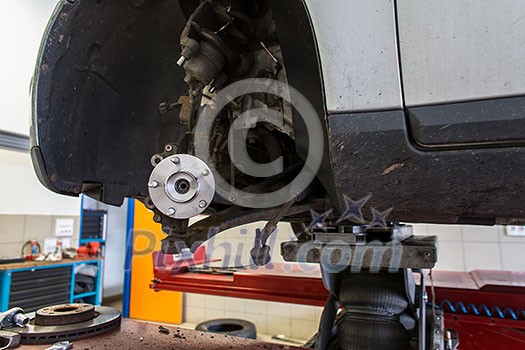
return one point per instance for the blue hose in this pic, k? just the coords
(482, 310)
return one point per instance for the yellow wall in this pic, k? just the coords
(146, 304)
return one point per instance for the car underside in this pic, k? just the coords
(134, 99)
(110, 101)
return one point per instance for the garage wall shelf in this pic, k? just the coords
(34, 285)
(93, 226)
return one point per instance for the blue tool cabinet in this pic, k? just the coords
(34, 285)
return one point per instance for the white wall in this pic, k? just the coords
(22, 193)
(115, 247)
(467, 248)
(22, 23)
(115, 252)
(15, 230)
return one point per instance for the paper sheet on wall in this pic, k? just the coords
(51, 243)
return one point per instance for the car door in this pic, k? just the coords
(462, 71)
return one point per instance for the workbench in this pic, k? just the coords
(143, 335)
(34, 284)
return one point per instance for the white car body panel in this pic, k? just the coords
(460, 50)
(358, 52)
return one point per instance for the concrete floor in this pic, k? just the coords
(145, 335)
(117, 304)
(114, 303)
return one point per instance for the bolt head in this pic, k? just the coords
(205, 172)
(203, 204)
(171, 211)
(175, 160)
(181, 61)
(153, 184)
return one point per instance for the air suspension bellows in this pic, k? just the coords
(375, 311)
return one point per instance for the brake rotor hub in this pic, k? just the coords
(181, 186)
(59, 315)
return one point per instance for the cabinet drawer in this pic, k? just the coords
(38, 288)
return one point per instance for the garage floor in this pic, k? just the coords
(143, 335)
(117, 304)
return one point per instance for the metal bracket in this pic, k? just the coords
(9, 340)
(12, 318)
(417, 252)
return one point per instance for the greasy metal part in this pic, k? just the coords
(186, 108)
(174, 228)
(260, 252)
(438, 335)
(271, 225)
(63, 345)
(165, 107)
(361, 234)
(266, 65)
(272, 56)
(422, 305)
(105, 320)
(9, 340)
(418, 252)
(223, 220)
(14, 317)
(215, 39)
(59, 315)
(350, 237)
(181, 186)
(451, 340)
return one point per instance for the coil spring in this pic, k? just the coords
(483, 310)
